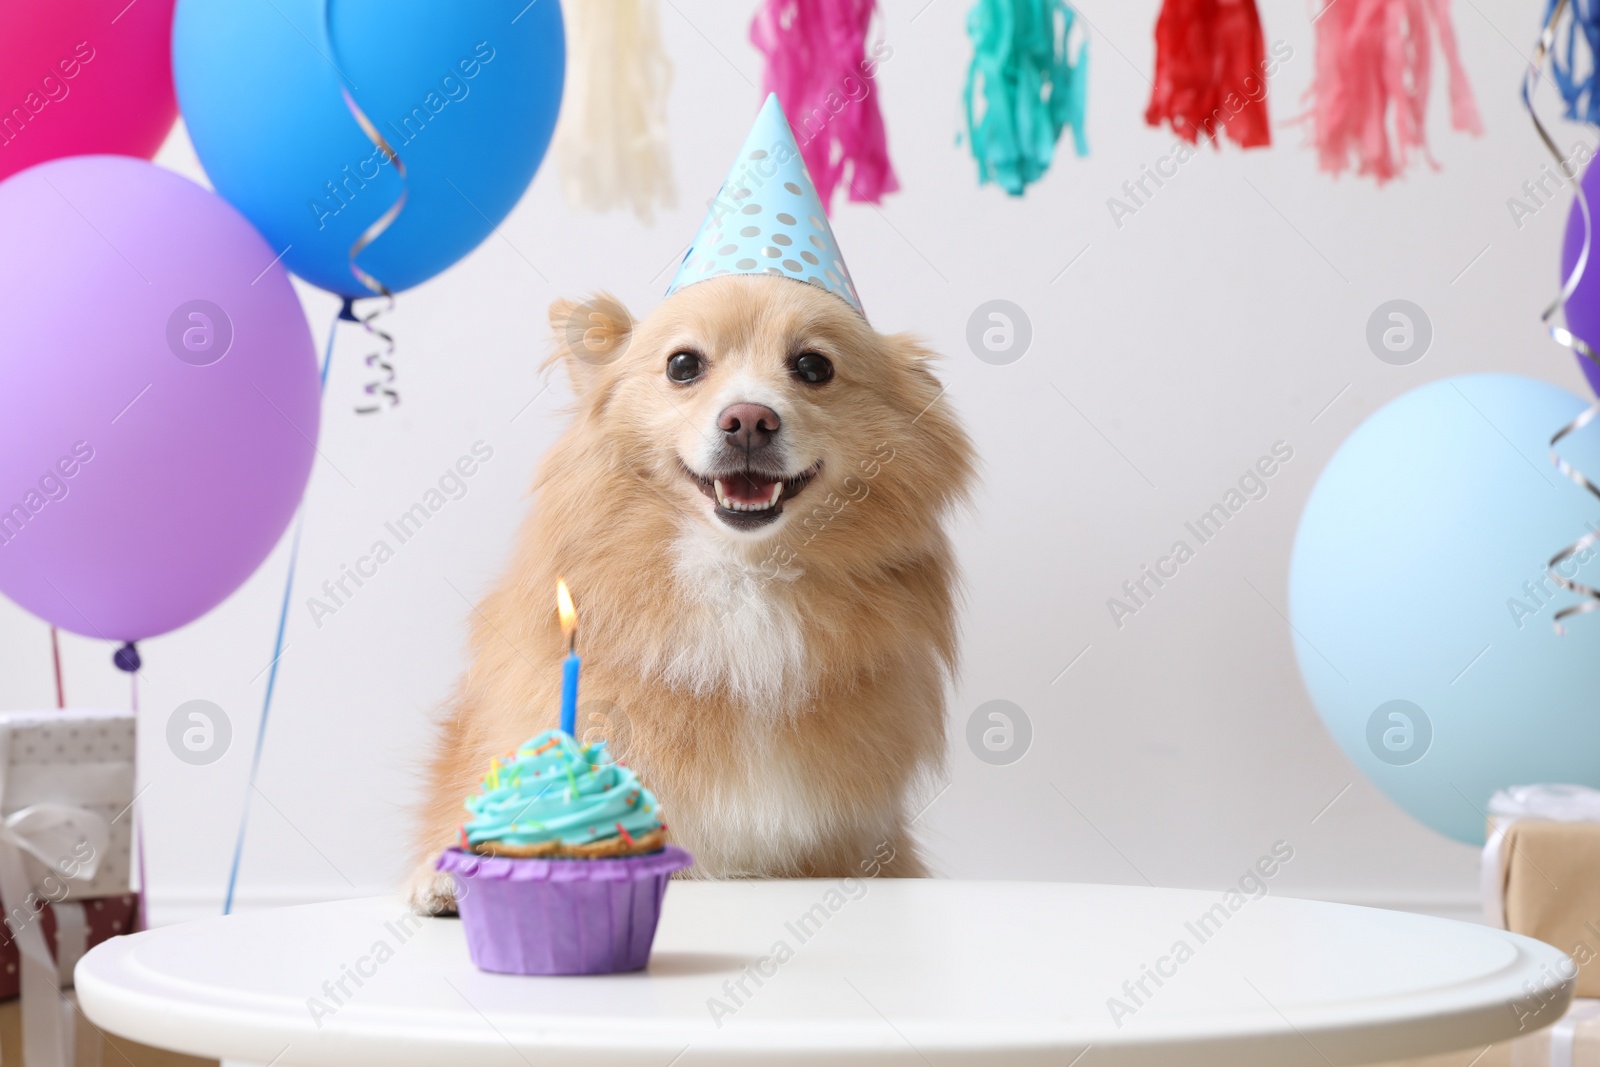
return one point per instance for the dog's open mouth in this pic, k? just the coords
(749, 499)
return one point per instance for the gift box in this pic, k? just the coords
(53, 765)
(66, 795)
(70, 929)
(1573, 1041)
(1541, 871)
(90, 1046)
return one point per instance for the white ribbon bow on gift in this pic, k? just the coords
(69, 842)
(1554, 803)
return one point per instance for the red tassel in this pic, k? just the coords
(1211, 72)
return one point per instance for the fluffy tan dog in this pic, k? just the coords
(748, 507)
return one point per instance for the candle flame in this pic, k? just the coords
(565, 608)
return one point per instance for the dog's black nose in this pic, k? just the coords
(748, 426)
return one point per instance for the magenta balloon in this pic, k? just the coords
(159, 399)
(84, 76)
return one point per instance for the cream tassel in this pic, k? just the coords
(611, 143)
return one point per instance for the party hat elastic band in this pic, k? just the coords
(768, 219)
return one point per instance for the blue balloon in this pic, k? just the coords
(466, 93)
(1420, 605)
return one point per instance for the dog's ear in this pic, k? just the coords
(912, 352)
(587, 336)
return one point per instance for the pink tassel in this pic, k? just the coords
(817, 63)
(1374, 58)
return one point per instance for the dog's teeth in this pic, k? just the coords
(727, 503)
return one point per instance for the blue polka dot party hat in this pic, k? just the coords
(768, 219)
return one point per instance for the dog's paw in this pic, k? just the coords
(430, 891)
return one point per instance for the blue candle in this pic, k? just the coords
(569, 692)
(568, 613)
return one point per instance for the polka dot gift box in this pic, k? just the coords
(66, 799)
(66, 791)
(768, 219)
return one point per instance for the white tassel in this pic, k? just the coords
(611, 143)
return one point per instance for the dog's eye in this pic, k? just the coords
(684, 366)
(813, 368)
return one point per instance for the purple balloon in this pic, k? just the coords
(159, 397)
(1583, 309)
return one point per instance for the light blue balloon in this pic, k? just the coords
(465, 91)
(1421, 612)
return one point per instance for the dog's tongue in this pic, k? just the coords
(744, 489)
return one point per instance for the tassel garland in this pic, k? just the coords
(1211, 72)
(1030, 88)
(1575, 72)
(1370, 92)
(817, 63)
(611, 143)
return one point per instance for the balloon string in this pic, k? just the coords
(1561, 335)
(380, 360)
(55, 658)
(277, 657)
(142, 918)
(144, 879)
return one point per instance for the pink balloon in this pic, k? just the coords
(82, 76)
(159, 397)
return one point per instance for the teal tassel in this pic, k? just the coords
(1031, 89)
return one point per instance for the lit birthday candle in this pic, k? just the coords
(571, 665)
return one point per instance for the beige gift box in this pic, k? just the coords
(1550, 874)
(1541, 871)
(92, 1047)
(1574, 1041)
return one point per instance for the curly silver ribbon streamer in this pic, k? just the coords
(377, 360)
(380, 360)
(1564, 337)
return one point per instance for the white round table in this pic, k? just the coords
(879, 972)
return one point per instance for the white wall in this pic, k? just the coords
(1221, 318)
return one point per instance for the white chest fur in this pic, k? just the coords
(742, 633)
(761, 821)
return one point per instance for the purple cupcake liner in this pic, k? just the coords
(561, 916)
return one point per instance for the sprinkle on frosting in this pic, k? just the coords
(552, 792)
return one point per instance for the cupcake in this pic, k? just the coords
(563, 863)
